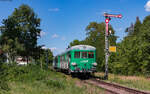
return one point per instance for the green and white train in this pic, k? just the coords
(77, 59)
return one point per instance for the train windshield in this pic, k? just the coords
(84, 54)
(79, 54)
(90, 55)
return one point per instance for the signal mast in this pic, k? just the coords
(107, 19)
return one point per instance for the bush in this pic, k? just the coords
(3, 83)
(13, 72)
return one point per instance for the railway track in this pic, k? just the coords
(112, 88)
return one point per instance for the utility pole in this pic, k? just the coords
(107, 19)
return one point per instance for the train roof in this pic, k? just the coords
(79, 47)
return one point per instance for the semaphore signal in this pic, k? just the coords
(107, 20)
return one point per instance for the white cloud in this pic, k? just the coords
(54, 9)
(42, 33)
(53, 49)
(55, 36)
(44, 47)
(56, 51)
(147, 6)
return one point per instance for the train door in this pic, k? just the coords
(68, 59)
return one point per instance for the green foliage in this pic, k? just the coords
(132, 57)
(45, 58)
(4, 86)
(3, 83)
(13, 72)
(23, 73)
(19, 33)
(75, 42)
(50, 56)
(2, 57)
(32, 79)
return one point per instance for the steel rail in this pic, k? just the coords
(117, 86)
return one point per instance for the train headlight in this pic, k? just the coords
(73, 64)
(95, 64)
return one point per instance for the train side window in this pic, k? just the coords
(76, 54)
(63, 58)
(90, 55)
(84, 54)
(60, 58)
(69, 55)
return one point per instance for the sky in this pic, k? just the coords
(63, 21)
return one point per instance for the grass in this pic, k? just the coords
(138, 82)
(54, 84)
(42, 88)
(33, 80)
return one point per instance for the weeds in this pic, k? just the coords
(55, 84)
(138, 82)
(31, 79)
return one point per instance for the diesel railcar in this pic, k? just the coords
(77, 59)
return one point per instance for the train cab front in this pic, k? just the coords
(83, 62)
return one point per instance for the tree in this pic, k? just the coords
(75, 42)
(12, 49)
(96, 37)
(137, 26)
(46, 57)
(50, 56)
(2, 56)
(22, 26)
(144, 46)
(133, 55)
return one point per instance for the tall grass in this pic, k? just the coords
(31, 79)
(138, 82)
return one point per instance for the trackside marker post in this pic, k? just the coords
(107, 19)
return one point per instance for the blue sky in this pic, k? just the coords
(62, 21)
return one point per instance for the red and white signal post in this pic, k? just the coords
(108, 18)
